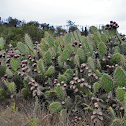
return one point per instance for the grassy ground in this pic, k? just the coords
(27, 114)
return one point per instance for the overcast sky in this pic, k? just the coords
(57, 12)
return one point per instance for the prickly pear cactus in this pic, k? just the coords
(21, 47)
(25, 92)
(28, 41)
(67, 39)
(49, 71)
(14, 63)
(102, 48)
(96, 87)
(120, 77)
(9, 72)
(116, 58)
(111, 112)
(120, 92)
(12, 87)
(50, 41)
(91, 63)
(63, 114)
(107, 82)
(60, 92)
(55, 107)
(116, 122)
(2, 42)
(65, 55)
(81, 55)
(48, 58)
(41, 66)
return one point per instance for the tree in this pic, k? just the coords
(71, 25)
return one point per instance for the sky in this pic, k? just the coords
(57, 12)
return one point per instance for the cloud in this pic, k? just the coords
(56, 12)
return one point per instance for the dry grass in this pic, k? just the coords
(10, 117)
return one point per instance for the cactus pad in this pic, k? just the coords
(107, 82)
(55, 107)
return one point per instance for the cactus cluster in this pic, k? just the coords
(70, 72)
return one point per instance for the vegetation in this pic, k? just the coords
(80, 79)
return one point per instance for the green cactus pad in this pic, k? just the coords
(103, 37)
(50, 41)
(9, 72)
(2, 42)
(69, 48)
(98, 64)
(60, 61)
(51, 95)
(14, 63)
(102, 48)
(97, 38)
(70, 73)
(63, 115)
(111, 112)
(21, 47)
(120, 77)
(98, 73)
(55, 107)
(117, 49)
(123, 49)
(41, 66)
(48, 58)
(112, 31)
(68, 103)
(107, 82)
(60, 92)
(116, 122)
(83, 89)
(12, 87)
(35, 53)
(120, 94)
(81, 55)
(28, 41)
(116, 58)
(62, 78)
(79, 35)
(88, 47)
(2, 93)
(50, 71)
(24, 92)
(75, 35)
(96, 87)
(65, 55)
(2, 70)
(93, 29)
(91, 64)
(67, 39)
(76, 60)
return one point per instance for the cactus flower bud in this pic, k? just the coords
(32, 88)
(109, 57)
(76, 117)
(23, 54)
(81, 85)
(0, 55)
(62, 82)
(65, 85)
(36, 42)
(76, 90)
(63, 103)
(75, 43)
